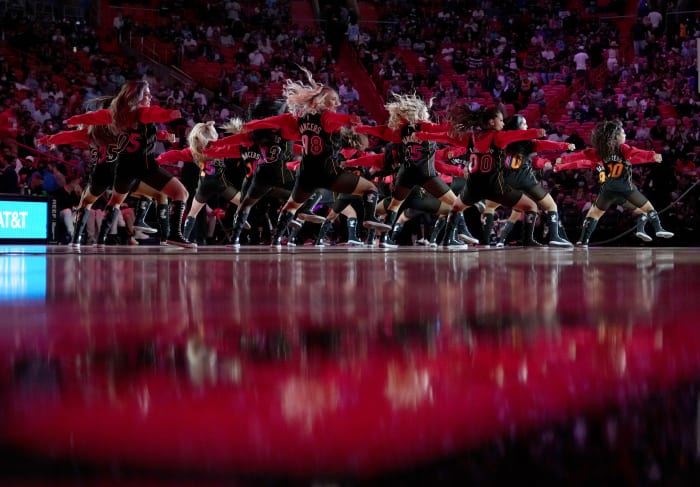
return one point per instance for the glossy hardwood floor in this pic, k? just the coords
(332, 365)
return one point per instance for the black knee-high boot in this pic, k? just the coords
(462, 231)
(190, 222)
(450, 240)
(529, 230)
(282, 222)
(488, 228)
(352, 232)
(141, 213)
(641, 232)
(555, 239)
(81, 220)
(239, 221)
(369, 201)
(437, 228)
(371, 237)
(176, 237)
(111, 213)
(323, 231)
(503, 234)
(656, 224)
(587, 228)
(164, 222)
(305, 213)
(390, 218)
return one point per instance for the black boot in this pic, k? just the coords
(352, 232)
(239, 221)
(369, 201)
(529, 230)
(641, 234)
(555, 240)
(111, 213)
(141, 213)
(371, 237)
(487, 229)
(281, 227)
(190, 222)
(293, 236)
(503, 234)
(656, 223)
(81, 220)
(462, 232)
(323, 231)
(388, 240)
(176, 237)
(164, 222)
(449, 240)
(435, 234)
(587, 228)
(305, 213)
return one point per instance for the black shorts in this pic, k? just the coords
(209, 187)
(149, 173)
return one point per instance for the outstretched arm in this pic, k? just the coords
(438, 137)
(156, 114)
(381, 131)
(332, 121)
(543, 145)
(67, 137)
(233, 151)
(504, 137)
(174, 156)
(449, 169)
(639, 156)
(370, 160)
(98, 117)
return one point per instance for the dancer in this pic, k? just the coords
(103, 159)
(312, 114)
(408, 114)
(613, 159)
(481, 132)
(212, 178)
(519, 174)
(267, 153)
(132, 133)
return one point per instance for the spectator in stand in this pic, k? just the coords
(348, 93)
(581, 61)
(9, 182)
(558, 135)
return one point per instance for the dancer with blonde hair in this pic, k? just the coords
(212, 170)
(409, 114)
(312, 118)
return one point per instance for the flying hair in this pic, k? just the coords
(309, 98)
(407, 109)
(199, 137)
